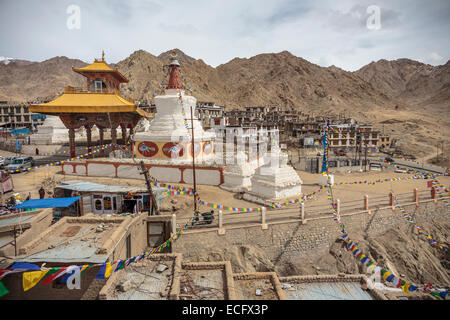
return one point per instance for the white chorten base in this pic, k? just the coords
(235, 182)
(275, 182)
(237, 177)
(52, 131)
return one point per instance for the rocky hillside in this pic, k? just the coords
(411, 99)
(417, 83)
(25, 80)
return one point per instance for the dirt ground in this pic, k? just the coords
(247, 289)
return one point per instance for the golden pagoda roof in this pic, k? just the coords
(85, 103)
(99, 66)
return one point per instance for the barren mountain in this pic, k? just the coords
(22, 80)
(410, 98)
(415, 82)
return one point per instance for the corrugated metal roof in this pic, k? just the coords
(328, 291)
(15, 220)
(4, 240)
(86, 186)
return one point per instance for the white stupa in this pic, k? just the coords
(52, 131)
(168, 139)
(237, 177)
(275, 180)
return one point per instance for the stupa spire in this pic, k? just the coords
(174, 71)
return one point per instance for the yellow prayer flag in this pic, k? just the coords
(386, 275)
(108, 270)
(405, 288)
(30, 279)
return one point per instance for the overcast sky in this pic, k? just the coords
(325, 32)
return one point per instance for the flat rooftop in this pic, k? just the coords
(14, 219)
(145, 282)
(328, 287)
(82, 239)
(153, 278)
(258, 286)
(207, 281)
(327, 291)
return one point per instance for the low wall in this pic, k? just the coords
(33, 228)
(129, 170)
(291, 239)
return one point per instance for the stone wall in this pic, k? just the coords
(33, 228)
(292, 239)
(208, 175)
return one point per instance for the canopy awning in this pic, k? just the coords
(47, 203)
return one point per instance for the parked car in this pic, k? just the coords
(2, 161)
(20, 163)
(340, 153)
(375, 167)
(8, 160)
(400, 170)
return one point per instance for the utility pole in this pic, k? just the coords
(443, 157)
(360, 150)
(365, 159)
(153, 203)
(193, 160)
(15, 241)
(437, 151)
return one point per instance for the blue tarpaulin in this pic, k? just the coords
(20, 131)
(47, 203)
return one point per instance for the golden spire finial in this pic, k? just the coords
(103, 55)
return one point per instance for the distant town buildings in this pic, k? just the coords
(15, 116)
(347, 135)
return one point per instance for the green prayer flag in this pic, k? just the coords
(52, 271)
(3, 289)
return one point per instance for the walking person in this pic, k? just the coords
(41, 193)
(37, 151)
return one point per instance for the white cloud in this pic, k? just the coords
(436, 57)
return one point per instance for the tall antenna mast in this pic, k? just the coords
(193, 160)
(153, 203)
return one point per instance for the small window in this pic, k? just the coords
(107, 203)
(98, 86)
(155, 234)
(98, 205)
